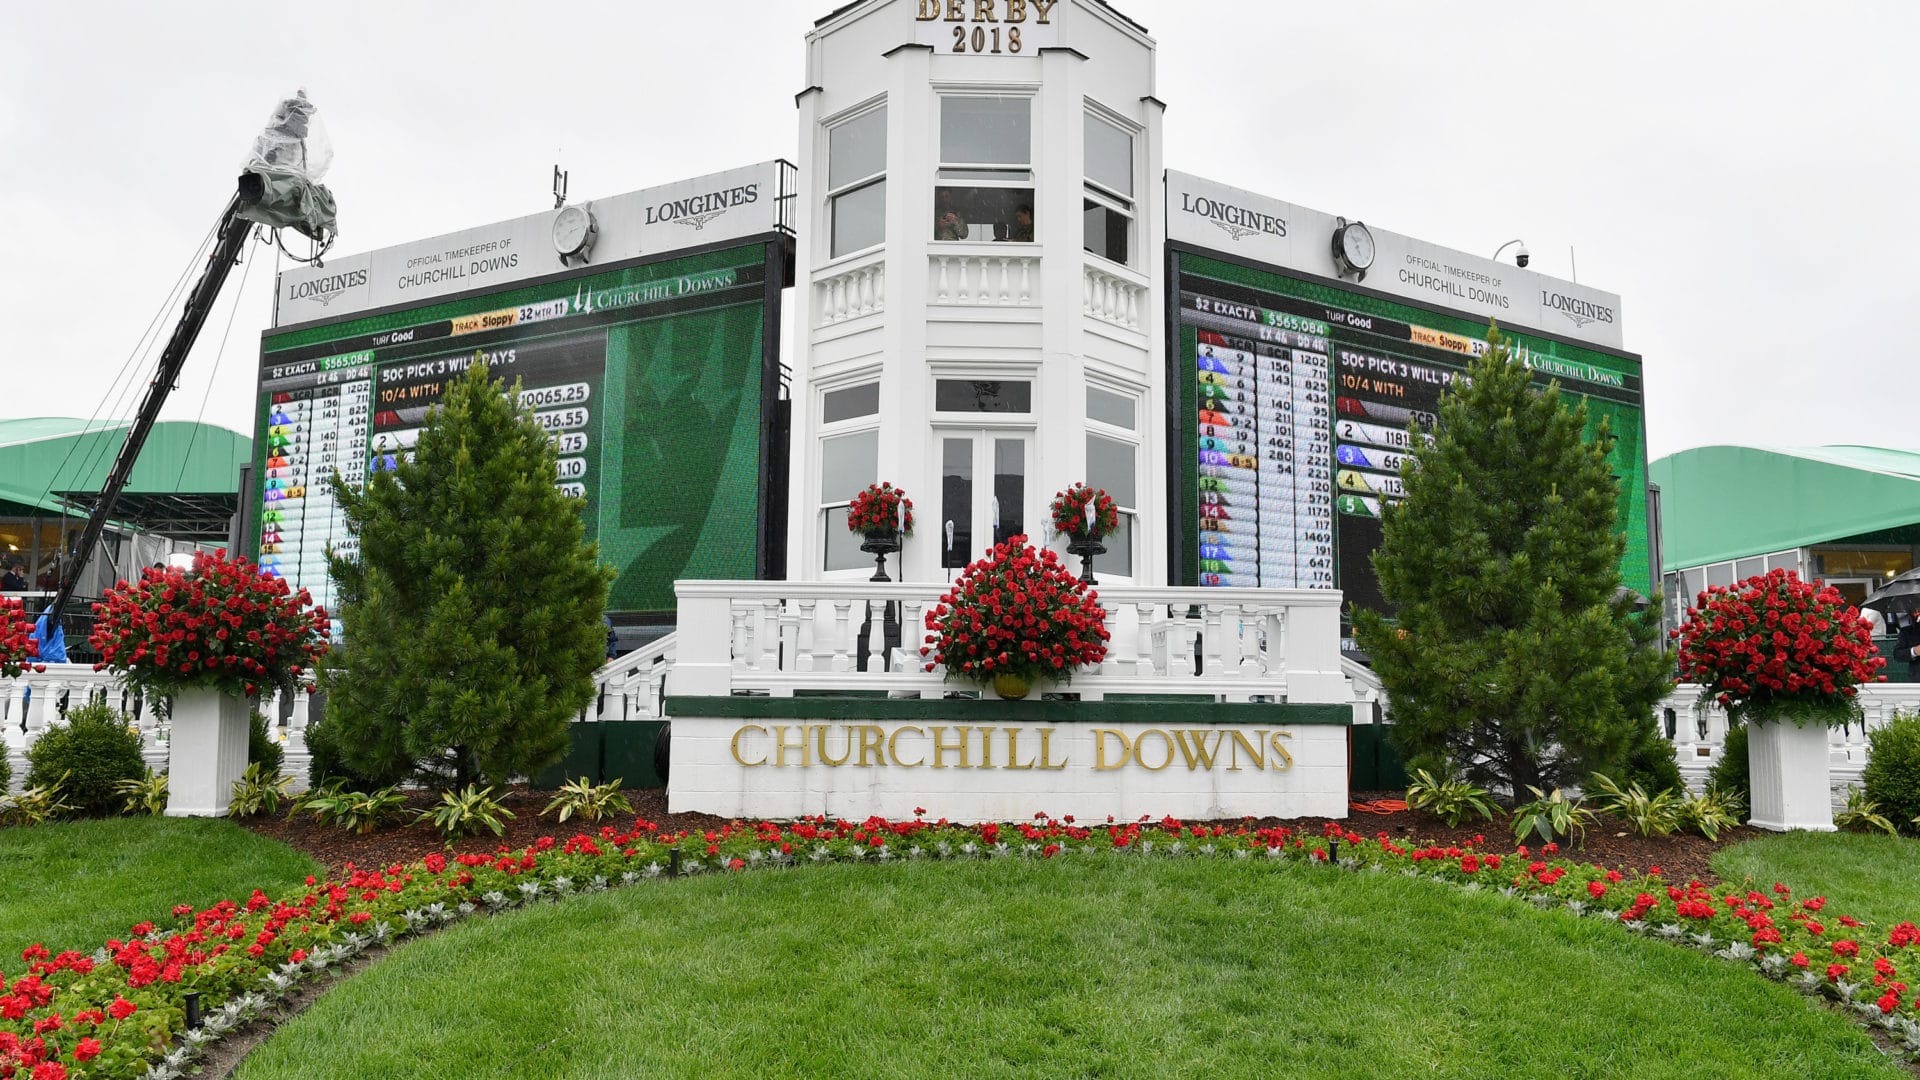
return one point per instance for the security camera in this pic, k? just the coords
(1520, 257)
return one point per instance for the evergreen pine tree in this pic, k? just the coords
(472, 614)
(1514, 658)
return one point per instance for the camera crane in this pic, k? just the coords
(279, 188)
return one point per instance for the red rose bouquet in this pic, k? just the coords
(17, 647)
(1775, 647)
(223, 625)
(1018, 612)
(881, 508)
(1070, 513)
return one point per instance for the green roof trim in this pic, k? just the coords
(1729, 502)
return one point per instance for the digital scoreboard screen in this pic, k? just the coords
(650, 380)
(1295, 401)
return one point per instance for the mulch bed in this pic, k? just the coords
(1609, 843)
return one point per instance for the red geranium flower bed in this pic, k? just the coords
(222, 625)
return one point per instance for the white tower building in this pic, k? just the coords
(980, 261)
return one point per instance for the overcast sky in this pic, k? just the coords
(1743, 174)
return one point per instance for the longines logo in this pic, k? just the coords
(1578, 312)
(1235, 221)
(700, 209)
(325, 290)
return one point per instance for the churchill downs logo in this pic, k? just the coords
(325, 290)
(1235, 221)
(700, 209)
(1578, 312)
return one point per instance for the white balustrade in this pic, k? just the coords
(1113, 299)
(985, 279)
(851, 292)
(779, 638)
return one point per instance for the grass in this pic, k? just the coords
(74, 884)
(1108, 967)
(1873, 877)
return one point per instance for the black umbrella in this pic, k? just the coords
(1900, 594)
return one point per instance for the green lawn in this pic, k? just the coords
(1109, 967)
(74, 884)
(1869, 877)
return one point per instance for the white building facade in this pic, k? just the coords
(980, 271)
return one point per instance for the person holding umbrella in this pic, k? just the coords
(1899, 599)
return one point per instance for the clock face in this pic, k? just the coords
(570, 227)
(1356, 244)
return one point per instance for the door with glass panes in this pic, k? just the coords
(983, 491)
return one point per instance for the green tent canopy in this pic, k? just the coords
(1727, 502)
(184, 485)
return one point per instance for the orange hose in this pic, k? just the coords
(1378, 806)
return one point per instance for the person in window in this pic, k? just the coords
(14, 580)
(947, 222)
(1022, 229)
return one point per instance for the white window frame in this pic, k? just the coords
(857, 425)
(834, 194)
(998, 174)
(1136, 439)
(1101, 194)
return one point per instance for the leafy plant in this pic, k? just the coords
(358, 811)
(262, 747)
(463, 813)
(258, 791)
(1710, 811)
(1650, 815)
(35, 805)
(588, 800)
(1862, 814)
(1552, 816)
(1892, 776)
(1451, 799)
(90, 754)
(146, 795)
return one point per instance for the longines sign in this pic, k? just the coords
(704, 210)
(1212, 215)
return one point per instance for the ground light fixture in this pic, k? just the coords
(1520, 258)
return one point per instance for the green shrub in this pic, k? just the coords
(1893, 769)
(1730, 773)
(95, 751)
(262, 748)
(6, 771)
(1651, 764)
(327, 766)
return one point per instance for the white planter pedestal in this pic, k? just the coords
(1789, 767)
(206, 753)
